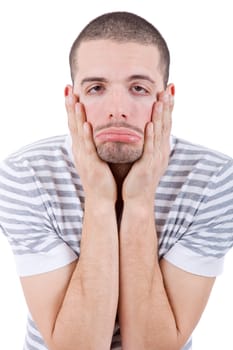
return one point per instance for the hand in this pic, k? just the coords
(96, 176)
(144, 176)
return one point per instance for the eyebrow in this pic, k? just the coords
(132, 77)
(140, 77)
(91, 79)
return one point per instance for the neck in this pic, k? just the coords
(120, 172)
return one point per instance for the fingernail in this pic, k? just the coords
(66, 91)
(173, 91)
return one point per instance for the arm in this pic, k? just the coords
(158, 306)
(75, 307)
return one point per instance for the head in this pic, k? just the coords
(122, 27)
(119, 63)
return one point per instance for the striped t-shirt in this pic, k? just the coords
(42, 202)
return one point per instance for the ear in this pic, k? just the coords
(171, 89)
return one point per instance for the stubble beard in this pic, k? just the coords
(118, 153)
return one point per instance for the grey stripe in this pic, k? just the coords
(23, 193)
(222, 194)
(214, 252)
(28, 346)
(45, 157)
(223, 206)
(188, 345)
(227, 180)
(48, 247)
(185, 173)
(30, 179)
(182, 209)
(36, 338)
(177, 184)
(22, 203)
(33, 231)
(19, 222)
(44, 167)
(197, 152)
(37, 192)
(68, 218)
(41, 207)
(58, 219)
(20, 212)
(193, 162)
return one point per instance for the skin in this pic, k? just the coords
(118, 98)
(119, 116)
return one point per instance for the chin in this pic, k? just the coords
(119, 153)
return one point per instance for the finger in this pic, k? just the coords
(70, 100)
(160, 97)
(80, 116)
(157, 123)
(76, 120)
(166, 118)
(88, 139)
(166, 126)
(171, 103)
(170, 89)
(149, 140)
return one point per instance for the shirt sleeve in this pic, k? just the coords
(203, 246)
(27, 222)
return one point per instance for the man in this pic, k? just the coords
(119, 229)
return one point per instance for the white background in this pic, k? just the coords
(35, 38)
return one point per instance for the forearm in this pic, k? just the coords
(146, 318)
(86, 318)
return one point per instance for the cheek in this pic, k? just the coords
(142, 114)
(92, 111)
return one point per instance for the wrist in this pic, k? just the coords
(99, 204)
(141, 203)
(139, 210)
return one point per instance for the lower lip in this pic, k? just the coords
(115, 137)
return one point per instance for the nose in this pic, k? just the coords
(118, 105)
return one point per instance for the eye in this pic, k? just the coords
(96, 89)
(139, 90)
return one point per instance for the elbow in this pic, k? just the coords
(173, 342)
(62, 342)
(170, 341)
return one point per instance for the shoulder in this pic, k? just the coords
(198, 157)
(36, 168)
(43, 147)
(192, 150)
(42, 154)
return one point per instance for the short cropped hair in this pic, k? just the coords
(122, 27)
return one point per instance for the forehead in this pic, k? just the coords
(101, 57)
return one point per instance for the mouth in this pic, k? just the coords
(118, 135)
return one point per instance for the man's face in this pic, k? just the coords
(118, 84)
